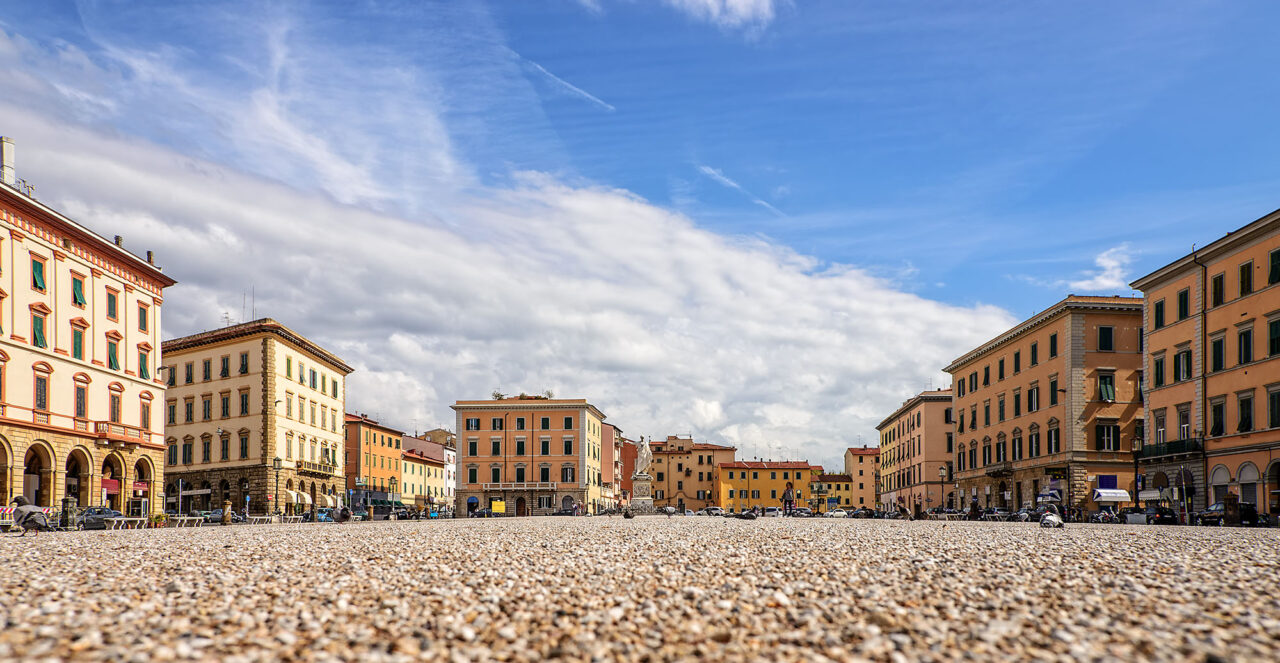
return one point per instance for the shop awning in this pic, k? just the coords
(306, 499)
(1052, 495)
(1111, 495)
(1148, 495)
(328, 500)
(378, 502)
(290, 496)
(399, 503)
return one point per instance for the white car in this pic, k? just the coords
(688, 512)
(701, 512)
(772, 511)
(837, 513)
(714, 511)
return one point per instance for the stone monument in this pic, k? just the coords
(641, 481)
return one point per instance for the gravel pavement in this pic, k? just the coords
(647, 589)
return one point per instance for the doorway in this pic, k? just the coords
(521, 508)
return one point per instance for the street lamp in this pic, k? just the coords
(277, 464)
(942, 483)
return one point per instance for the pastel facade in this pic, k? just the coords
(374, 456)
(240, 397)
(1212, 320)
(827, 487)
(742, 485)
(684, 472)
(79, 352)
(916, 448)
(862, 464)
(435, 490)
(1051, 408)
(536, 454)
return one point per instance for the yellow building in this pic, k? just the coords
(683, 472)
(536, 454)
(742, 485)
(827, 487)
(78, 361)
(440, 475)
(252, 413)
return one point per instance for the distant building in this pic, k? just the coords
(684, 472)
(435, 491)
(916, 447)
(862, 464)
(449, 442)
(741, 485)
(374, 455)
(827, 487)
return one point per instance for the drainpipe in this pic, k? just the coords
(1204, 269)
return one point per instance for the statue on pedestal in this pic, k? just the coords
(641, 482)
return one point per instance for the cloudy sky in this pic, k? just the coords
(764, 223)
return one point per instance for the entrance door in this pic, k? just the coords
(520, 507)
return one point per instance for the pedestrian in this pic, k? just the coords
(788, 499)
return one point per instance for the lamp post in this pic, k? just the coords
(277, 465)
(942, 482)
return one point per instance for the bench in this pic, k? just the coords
(260, 520)
(293, 519)
(125, 523)
(186, 521)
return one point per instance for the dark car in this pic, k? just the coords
(862, 512)
(215, 516)
(482, 513)
(1161, 515)
(95, 517)
(563, 512)
(1214, 515)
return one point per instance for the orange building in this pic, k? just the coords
(373, 458)
(1212, 320)
(683, 472)
(742, 485)
(862, 464)
(916, 446)
(1049, 410)
(535, 454)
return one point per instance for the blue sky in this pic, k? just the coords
(856, 175)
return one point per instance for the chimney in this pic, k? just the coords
(119, 240)
(6, 161)
(151, 258)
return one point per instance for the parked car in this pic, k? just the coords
(772, 511)
(802, 512)
(836, 513)
(1214, 515)
(486, 513)
(95, 517)
(563, 512)
(215, 516)
(862, 512)
(1162, 515)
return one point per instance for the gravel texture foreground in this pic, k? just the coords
(645, 589)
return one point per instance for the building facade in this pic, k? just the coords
(535, 454)
(374, 456)
(437, 493)
(78, 364)
(916, 447)
(252, 414)
(413, 479)
(448, 442)
(831, 492)
(1212, 320)
(743, 485)
(1050, 409)
(862, 464)
(684, 472)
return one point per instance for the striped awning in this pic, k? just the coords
(291, 496)
(306, 499)
(328, 500)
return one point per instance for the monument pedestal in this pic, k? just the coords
(641, 494)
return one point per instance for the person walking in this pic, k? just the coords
(788, 499)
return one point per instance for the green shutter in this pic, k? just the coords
(37, 275)
(1108, 391)
(37, 332)
(1275, 268)
(77, 292)
(142, 366)
(112, 361)
(77, 344)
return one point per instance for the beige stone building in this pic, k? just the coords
(79, 339)
(916, 447)
(684, 472)
(534, 453)
(1049, 410)
(862, 464)
(242, 400)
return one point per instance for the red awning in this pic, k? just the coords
(141, 485)
(112, 486)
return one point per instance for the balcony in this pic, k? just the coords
(108, 433)
(1176, 447)
(519, 485)
(999, 469)
(323, 469)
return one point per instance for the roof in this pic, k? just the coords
(527, 403)
(408, 454)
(1070, 302)
(76, 231)
(260, 326)
(938, 395)
(863, 451)
(661, 447)
(1222, 245)
(767, 465)
(832, 478)
(364, 420)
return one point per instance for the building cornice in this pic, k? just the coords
(1225, 244)
(529, 404)
(249, 329)
(922, 397)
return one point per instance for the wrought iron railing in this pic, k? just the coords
(1189, 445)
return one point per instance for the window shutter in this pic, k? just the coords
(37, 332)
(1275, 268)
(77, 345)
(37, 274)
(1098, 432)
(77, 292)
(112, 361)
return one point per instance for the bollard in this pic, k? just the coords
(226, 512)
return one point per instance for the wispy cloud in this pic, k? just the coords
(719, 176)
(749, 15)
(1112, 273)
(567, 85)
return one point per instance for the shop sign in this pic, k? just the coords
(498, 506)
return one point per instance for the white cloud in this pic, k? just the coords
(1112, 274)
(750, 15)
(584, 289)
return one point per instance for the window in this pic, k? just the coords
(986, 413)
(186, 452)
(143, 362)
(37, 331)
(77, 291)
(244, 406)
(37, 273)
(1246, 278)
(568, 423)
(566, 473)
(471, 475)
(1245, 338)
(206, 408)
(1218, 289)
(546, 447)
(519, 447)
(495, 474)
(986, 376)
(568, 447)
(173, 454)
(173, 413)
(1184, 304)
(142, 317)
(960, 387)
(1273, 409)
(1017, 448)
(973, 381)
(546, 423)
(973, 418)
(471, 448)
(288, 367)
(1035, 354)
(1052, 442)
(495, 423)
(1160, 427)
(1157, 371)
(244, 446)
(1245, 404)
(1273, 338)
(1218, 351)
(77, 347)
(1033, 399)
(1053, 391)
(82, 401)
(1053, 345)
(495, 447)
(188, 372)
(244, 368)
(519, 423)
(112, 309)
(520, 474)
(1000, 409)
(473, 423)
(113, 359)
(1017, 362)
(224, 368)
(226, 405)
(189, 408)
(1107, 387)
(224, 448)
(1000, 369)
(1218, 416)
(206, 369)
(973, 458)
(1108, 437)
(1182, 366)
(1017, 403)
(205, 450)
(1106, 339)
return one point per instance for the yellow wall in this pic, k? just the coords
(763, 486)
